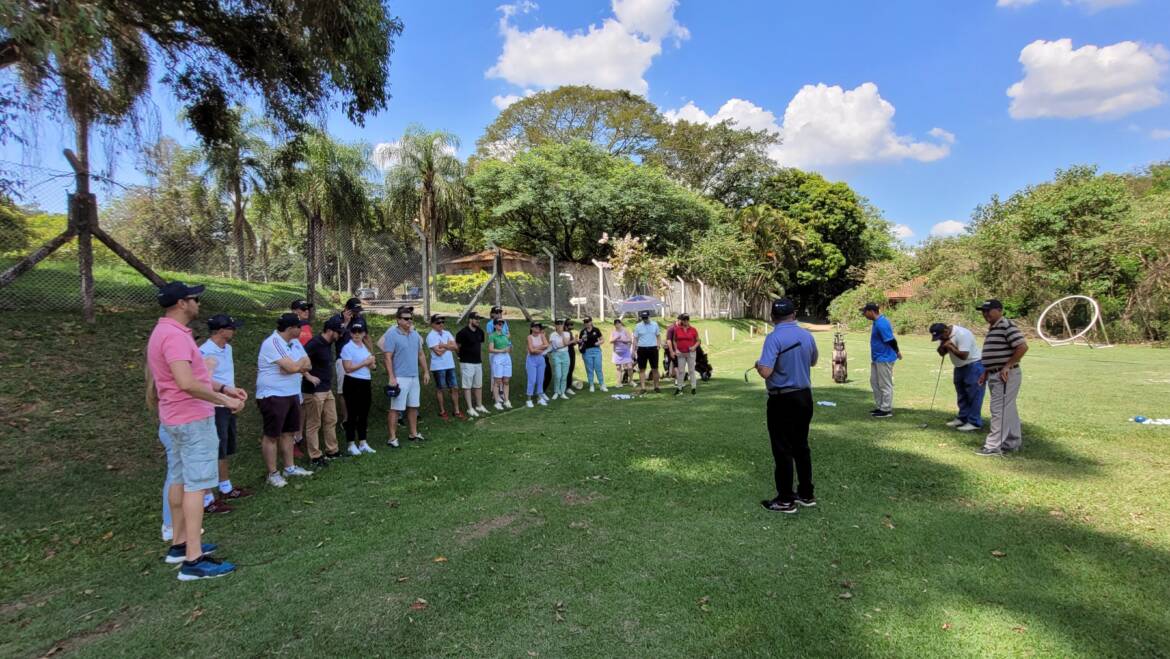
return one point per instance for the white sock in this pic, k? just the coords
(225, 486)
(208, 498)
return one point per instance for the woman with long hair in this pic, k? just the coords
(623, 351)
(559, 341)
(538, 346)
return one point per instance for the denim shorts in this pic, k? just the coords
(194, 456)
(445, 379)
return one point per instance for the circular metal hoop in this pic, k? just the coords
(1055, 342)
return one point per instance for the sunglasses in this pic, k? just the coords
(406, 318)
(193, 299)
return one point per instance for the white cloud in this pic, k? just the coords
(1015, 3)
(386, 154)
(947, 228)
(504, 101)
(827, 125)
(1160, 134)
(944, 135)
(902, 232)
(1103, 82)
(613, 55)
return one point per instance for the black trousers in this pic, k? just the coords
(788, 417)
(357, 405)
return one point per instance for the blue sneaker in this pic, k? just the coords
(205, 568)
(178, 553)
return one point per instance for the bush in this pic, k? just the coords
(533, 289)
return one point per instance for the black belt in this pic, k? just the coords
(997, 370)
(785, 390)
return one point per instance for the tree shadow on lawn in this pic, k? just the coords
(915, 538)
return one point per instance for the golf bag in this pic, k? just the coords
(840, 362)
(702, 366)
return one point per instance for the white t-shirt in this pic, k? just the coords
(447, 359)
(225, 368)
(557, 341)
(646, 334)
(964, 340)
(356, 352)
(271, 380)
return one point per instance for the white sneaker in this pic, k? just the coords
(365, 448)
(543, 396)
(542, 401)
(508, 404)
(571, 392)
(590, 388)
(167, 533)
(472, 413)
(353, 449)
(276, 480)
(967, 427)
(564, 397)
(604, 388)
(484, 410)
(499, 406)
(954, 423)
(529, 403)
(392, 443)
(297, 471)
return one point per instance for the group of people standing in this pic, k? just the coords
(307, 383)
(789, 353)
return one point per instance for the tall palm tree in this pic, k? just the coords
(236, 164)
(424, 182)
(326, 181)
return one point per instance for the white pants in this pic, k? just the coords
(881, 380)
(1005, 433)
(685, 361)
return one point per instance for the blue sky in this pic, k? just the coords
(906, 100)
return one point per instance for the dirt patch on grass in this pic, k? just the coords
(484, 527)
(9, 609)
(575, 498)
(82, 639)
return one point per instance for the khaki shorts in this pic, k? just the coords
(472, 376)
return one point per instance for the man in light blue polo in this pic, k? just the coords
(404, 356)
(788, 355)
(883, 350)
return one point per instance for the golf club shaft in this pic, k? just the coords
(936, 381)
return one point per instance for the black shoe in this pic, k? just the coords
(657, 390)
(807, 502)
(777, 506)
(677, 392)
(882, 415)
(319, 462)
(336, 456)
(694, 390)
(874, 411)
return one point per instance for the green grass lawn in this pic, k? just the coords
(598, 527)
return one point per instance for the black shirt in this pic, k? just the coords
(470, 345)
(590, 338)
(321, 358)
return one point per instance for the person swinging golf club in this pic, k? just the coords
(959, 343)
(788, 356)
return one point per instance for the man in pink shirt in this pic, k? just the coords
(186, 408)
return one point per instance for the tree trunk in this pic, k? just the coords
(82, 212)
(264, 256)
(310, 252)
(238, 229)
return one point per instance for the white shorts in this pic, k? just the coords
(501, 365)
(471, 375)
(408, 397)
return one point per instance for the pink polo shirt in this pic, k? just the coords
(171, 341)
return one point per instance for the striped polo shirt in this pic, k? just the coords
(1001, 341)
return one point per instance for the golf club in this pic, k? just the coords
(745, 373)
(935, 394)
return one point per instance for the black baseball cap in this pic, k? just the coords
(587, 319)
(223, 321)
(402, 311)
(357, 327)
(937, 330)
(437, 318)
(300, 305)
(870, 306)
(336, 324)
(783, 307)
(170, 294)
(989, 304)
(535, 325)
(353, 304)
(643, 314)
(474, 315)
(684, 316)
(286, 321)
(497, 310)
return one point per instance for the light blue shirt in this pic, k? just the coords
(492, 323)
(225, 368)
(271, 380)
(356, 352)
(403, 349)
(879, 350)
(646, 334)
(790, 351)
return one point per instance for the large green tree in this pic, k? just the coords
(566, 196)
(725, 163)
(620, 122)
